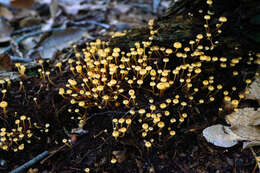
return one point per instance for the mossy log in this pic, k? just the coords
(242, 28)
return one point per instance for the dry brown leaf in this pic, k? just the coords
(244, 127)
(255, 121)
(249, 133)
(4, 12)
(5, 62)
(22, 3)
(58, 41)
(5, 31)
(244, 117)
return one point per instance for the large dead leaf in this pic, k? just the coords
(58, 41)
(244, 117)
(22, 3)
(220, 136)
(249, 133)
(4, 12)
(5, 31)
(244, 127)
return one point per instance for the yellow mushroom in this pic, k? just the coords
(3, 105)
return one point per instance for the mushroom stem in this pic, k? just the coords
(21, 86)
(4, 110)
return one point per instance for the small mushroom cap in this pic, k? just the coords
(222, 19)
(177, 45)
(3, 104)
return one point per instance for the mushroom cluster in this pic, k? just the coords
(158, 87)
(22, 132)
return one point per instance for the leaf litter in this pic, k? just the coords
(59, 40)
(244, 125)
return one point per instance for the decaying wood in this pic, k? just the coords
(175, 25)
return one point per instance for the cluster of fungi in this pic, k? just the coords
(157, 87)
(17, 130)
(23, 132)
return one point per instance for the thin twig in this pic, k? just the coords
(53, 153)
(31, 162)
(20, 59)
(26, 29)
(78, 23)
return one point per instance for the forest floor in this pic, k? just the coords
(91, 147)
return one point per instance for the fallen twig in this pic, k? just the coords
(78, 23)
(31, 162)
(52, 153)
(26, 29)
(19, 59)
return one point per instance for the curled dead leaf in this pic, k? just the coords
(220, 136)
(249, 133)
(244, 127)
(244, 117)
